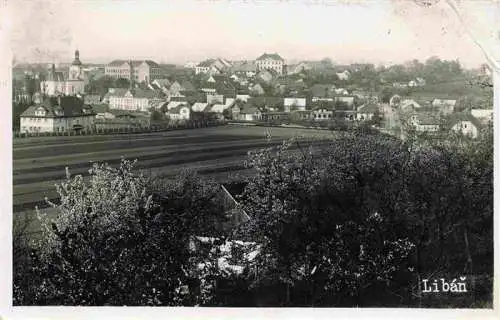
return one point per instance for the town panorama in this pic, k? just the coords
(252, 183)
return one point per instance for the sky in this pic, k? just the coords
(375, 31)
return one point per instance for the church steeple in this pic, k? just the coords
(77, 61)
(75, 70)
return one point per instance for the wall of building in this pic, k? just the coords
(427, 128)
(467, 128)
(298, 102)
(364, 116)
(322, 114)
(42, 124)
(276, 65)
(64, 87)
(37, 124)
(130, 104)
(184, 114)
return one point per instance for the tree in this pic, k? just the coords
(354, 223)
(17, 109)
(122, 83)
(157, 115)
(386, 94)
(100, 86)
(321, 239)
(122, 239)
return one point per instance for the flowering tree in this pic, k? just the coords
(115, 241)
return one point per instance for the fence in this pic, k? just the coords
(124, 130)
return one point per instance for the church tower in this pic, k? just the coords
(75, 71)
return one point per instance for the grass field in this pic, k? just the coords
(218, 152)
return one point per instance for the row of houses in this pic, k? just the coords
(432, 115)
(269, 109)
(271, 62)
(464, 122)
(213, 89)
(70, 113)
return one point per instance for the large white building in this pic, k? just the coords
(133, 99)
(56, 84)
(271, 61)
(135, 70)
(57, 114)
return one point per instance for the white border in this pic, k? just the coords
(187, 313)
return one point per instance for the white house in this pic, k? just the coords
(181, 112)
(249, 113)
(466, 124)
(57, 114)
(424, 121)
(322, 114)
(133, 99)
(297, 103)
(344, 75)
(367, 111)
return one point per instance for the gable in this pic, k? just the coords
(41, 112)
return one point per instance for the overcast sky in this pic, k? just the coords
(180, 31)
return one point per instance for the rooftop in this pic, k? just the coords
(273, 56)
(64, 106)
(135, 63)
